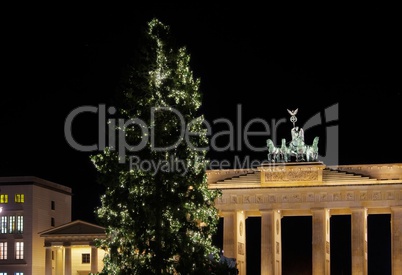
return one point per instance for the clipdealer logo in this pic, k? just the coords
(237, 133)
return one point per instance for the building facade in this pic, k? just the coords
(30, 206)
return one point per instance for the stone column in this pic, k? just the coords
(94, 259)
(67, 260)
(321, 237)
(396, 239)
(59, 260)
(359, 241)
(229, 231)
(48, 260)
(241, 242)
(271, 254)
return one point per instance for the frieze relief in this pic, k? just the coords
(350, 196)
(234, 199)
(259, 199)
(377, 196)
(337, 196)
(246, 199)
(324, 197)
(363, 196)
(390, 196)
(310, 197)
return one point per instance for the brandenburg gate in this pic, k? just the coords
(308, 188)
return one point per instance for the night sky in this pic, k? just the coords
(263, 59)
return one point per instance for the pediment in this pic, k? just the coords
(77, 227)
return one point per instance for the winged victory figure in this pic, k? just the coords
(294, 112)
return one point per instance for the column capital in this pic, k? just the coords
(227, 212)
(396, 208)
(266, 209)
(359, 210)
(319, 209)
(269, 211)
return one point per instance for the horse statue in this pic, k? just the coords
(285, 151)
(312, 150)
(297, 146)
(298, 149)
(274, 152)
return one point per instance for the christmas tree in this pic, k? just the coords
(157, 209)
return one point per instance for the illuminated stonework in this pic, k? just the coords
(314, 189)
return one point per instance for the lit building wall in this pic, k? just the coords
(31, 198)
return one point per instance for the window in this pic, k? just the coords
(20, 224)
(51, 221)
(19, 250)
(3, 273)
(86, 259)
(19, 198)
(11, 223)
(19, 273)
(52, 205)
(3, 250)
(4, 224)
(3, 198)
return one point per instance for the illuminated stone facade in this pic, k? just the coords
(313, 189)
(52, 244)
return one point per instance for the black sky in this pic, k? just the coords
(266, 59)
